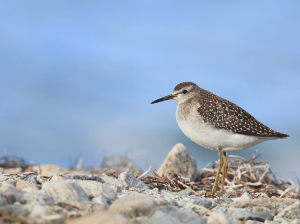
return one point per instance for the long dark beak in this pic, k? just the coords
(169, 97)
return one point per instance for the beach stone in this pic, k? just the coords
(205, 202)
(21, 184)
(85, 177)
(94, 189)
(57, 178)
(50, 170)
(90, 207)
(245, 196)
(238, 215)
(270, 203)
(38, 210)
(254, 222)
(68, 191)
(101, 218)
(291, 212)
(199, 209)
(136, 203)
(40, 179)
(218, 217)
(12, 208)
(31, 178)
(295, 221)
(261, 209)
(11, 193)
(281, 220)
(127, 180)
(171, 214)
(179, 161)
(187, 191)
(111, 180)
(100, 200)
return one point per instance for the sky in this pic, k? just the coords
(78, 77)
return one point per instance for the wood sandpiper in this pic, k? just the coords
(216, 123)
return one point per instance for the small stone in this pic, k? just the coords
(291, 212)
(21, 184)
(31, 178)
(127, 180)
(245, 196)
(133, 203)
(14, 208)
(50, 170)
(199, 209)
(281, 220)
(218, 217)
(39, 210)
(270, 203)
(101, 200)
(90, 207)
(57, 178)
(179, 161)
(100, 218)
(172, 214)
(261, 209)
(254, 222)
(187, 191)
(238, 215)
(111, 180)
(66, 191)
(94, 189)
(295, 221)
(40, 179)
(11, 193)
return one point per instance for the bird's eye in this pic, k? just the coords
(184, 91)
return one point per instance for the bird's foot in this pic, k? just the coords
(212, 193)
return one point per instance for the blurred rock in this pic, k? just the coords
(50, 170)
(40, 179)
(30, 178)
(21, 184)
(68, 191)
(291, 212)
(94, 189)
(57, 178)
(238, 214)
(171, 214)
(137, 204)
(11, 193)
(127, 180)
(219, 217)
(101, 218)
(179, 161)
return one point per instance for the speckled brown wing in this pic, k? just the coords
(226, 115)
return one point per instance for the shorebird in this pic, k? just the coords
(217, 124)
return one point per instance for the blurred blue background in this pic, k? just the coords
(79, 76)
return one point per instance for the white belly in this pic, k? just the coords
(213, 138)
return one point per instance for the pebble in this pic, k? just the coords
(179, 161)
(127, 199)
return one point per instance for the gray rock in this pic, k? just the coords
(218, 217)
(291, 212)
(40, 179)
(85, 177)
(199, 209)
(295, 221)
(31, 190)
(14, 208)
(111, 180)
(127, 180)
(133, 203)
(239, 214)
(68, 191)
(177, 216)
(11, 193)
(281, 220)
(100, 200)
(179, 161)
(261, 209)
(21, 184)
(187, 191)
(38, 210)
(205, 202)
(31, 178)
(245, 196)
(57, 178)
(89, 207)
(254, 222)
(94, 189)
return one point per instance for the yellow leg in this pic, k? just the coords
(225, 166)
(214, 190)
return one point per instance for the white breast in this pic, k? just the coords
(210, 137)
